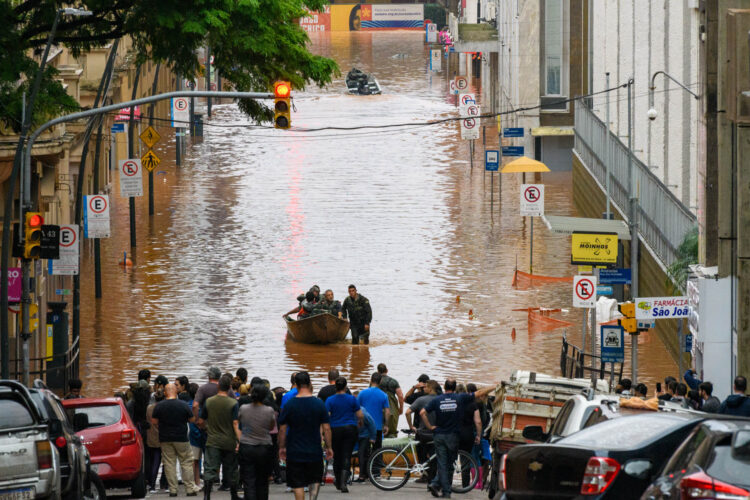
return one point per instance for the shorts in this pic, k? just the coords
(301, 474)
(197, 452)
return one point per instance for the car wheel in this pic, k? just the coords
(138, 489)
(96, 490)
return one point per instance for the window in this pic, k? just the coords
(562, 418)
(553, 47)
(15, 414)
(625, 433)
(682, 457)
(98, 416)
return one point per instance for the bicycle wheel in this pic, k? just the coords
(465, 473)
(387, 469)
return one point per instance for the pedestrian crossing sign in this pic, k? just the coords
(150, 161)
(150, 137)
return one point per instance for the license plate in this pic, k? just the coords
(23, 494)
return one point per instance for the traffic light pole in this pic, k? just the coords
(633, 228)
(131, 152)
(25, 303)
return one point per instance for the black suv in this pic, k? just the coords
(75, 473)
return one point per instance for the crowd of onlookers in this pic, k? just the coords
(693, 393)
(236, 434)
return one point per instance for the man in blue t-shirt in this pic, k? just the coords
(448, 409)
(302, 420)
(375, 401)
(291, 393)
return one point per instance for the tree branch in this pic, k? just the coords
(26, 7)
(100, 37)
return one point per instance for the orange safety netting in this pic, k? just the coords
(539, 319)
(524, 280)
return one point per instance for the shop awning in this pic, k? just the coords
(569, 225)
(524, 165)
(551, 131)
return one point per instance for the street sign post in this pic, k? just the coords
(596, 249)
(604, 290)
(131, 178)
(150, 137)
(584, 291)
(614, 276)
(469, 128)
(96, 216)
(118, 128)
(612, 342)
(461, 84)
(436, 60)
(466, 99)
(492, 160)
(150, 161)
(512, 150)
(431, 33)
(532, 200)
(180, 110)
(67, 264)
(513, 132)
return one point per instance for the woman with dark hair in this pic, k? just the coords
(355, 18)
(255, 448)
(346, 415)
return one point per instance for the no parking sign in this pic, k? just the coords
(532, 200)
(584, 291)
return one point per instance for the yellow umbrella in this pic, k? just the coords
(524, 164)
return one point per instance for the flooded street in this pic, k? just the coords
(255, 216)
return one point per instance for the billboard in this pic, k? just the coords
(373, 17)
(317, 21)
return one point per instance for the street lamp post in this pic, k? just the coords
(17, 163)
(652, 113)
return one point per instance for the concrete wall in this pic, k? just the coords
(638, 38)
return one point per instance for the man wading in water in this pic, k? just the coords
(360, 315)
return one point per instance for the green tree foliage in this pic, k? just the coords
(687, 254)
(254, 42)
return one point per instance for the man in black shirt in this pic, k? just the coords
(172, 417)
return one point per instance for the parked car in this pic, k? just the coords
(76, 478)
(713, 462)
(578, 412)
(617, 458)
(29, 464)
(114, 443)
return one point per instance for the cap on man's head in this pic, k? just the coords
(161, 380)
(214, 373)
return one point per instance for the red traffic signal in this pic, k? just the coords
(282, 90)
(35, 220)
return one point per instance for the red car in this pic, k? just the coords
(114, 443)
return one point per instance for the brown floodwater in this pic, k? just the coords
(256, 216)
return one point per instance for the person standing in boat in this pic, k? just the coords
(329, 305)
(358, 309)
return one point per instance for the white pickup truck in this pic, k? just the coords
(29, 463)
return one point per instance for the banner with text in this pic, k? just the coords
(369, 17)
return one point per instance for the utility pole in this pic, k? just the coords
(131, 154)
(151, 124)
(178, 131)
(208, 78)
(633, 195)
(606, 154)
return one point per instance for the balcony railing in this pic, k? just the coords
(663, 220)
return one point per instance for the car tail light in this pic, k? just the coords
(127, 437)
(44, 454)
(502, 470)
(60, 442)
(700, 486)
(599, 474)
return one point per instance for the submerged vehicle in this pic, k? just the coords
(322, 328)
(361, 83)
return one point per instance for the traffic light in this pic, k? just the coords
(282, 109)
(628, 322)
(32, 235)
(33, 317)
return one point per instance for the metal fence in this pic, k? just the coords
(663, 221)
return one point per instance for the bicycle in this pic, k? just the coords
(396, 468)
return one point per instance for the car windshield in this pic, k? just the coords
(98, 416)
(726, 467)
(15, 414)
(622, 433)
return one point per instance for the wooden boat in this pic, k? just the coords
(319, 329)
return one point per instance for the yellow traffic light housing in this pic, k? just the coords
(628, 322)
(33, 317)
(32, 235)
(282, 108)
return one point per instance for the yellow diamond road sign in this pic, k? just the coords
(150, 161)
(150, 137)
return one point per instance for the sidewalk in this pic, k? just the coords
(409, 492)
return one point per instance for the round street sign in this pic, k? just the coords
(472, 110)
(531, 194)
(180, 103)
(67, 236)
(470, 122)
(98, 204)
(129, 168)
(585, 289)
(461, 83)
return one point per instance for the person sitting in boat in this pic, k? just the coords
(314, 289)
(312, 297)
(328, 305)
(307, 308)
